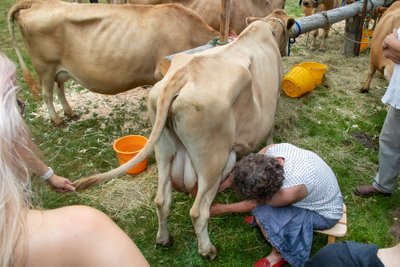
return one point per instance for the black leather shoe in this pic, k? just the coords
(369, 191)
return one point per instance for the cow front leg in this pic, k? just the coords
(163, 202)
(47, 89)
(325, 34)
(200, 213)
(314, 40)
(60, 91)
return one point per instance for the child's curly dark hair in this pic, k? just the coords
(257, 177)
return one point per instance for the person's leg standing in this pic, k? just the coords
(389, 153)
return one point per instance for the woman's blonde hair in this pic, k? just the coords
(15, 149)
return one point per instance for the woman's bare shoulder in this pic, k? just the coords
(77, 236)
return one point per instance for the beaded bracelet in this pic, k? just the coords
(48, 174)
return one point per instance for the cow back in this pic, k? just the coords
(108, 46)
(390, 20)
(210, 10)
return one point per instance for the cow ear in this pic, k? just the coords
(251, 19)
(290, 23)
(381, 10)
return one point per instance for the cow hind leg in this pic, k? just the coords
(367, 83)
(163, 198)
(200, 213)
(47, 89)
(163, 204)
(60, 91)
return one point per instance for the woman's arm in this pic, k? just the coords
(288, 196)
(226, 183)
(243, 206)
(283, 197)
(37, 166)
(263, 150)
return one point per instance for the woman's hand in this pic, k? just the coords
(391, 47)
(61, 184)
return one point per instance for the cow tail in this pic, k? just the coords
(27, 74)
(163, 105)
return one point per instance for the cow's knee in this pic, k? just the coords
(194, 213)
(159, 201)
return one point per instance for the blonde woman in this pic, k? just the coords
(69, 236)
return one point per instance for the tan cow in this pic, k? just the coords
(210, 10)
(388, 21)
(209, 109)
(106, 48)
(311, 7)
(108, 1)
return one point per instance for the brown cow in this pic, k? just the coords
(210, 10)
(209, 109)
(388, 21)
(311, 7)
(106, 48)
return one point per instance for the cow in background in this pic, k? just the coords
(210, 10)
(96, 1)
(108, 49)
(311, 7)
(389, 20)
(211, 108)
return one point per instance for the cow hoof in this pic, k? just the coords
(364, 90)
(58, 123)
(73, 117)
(165, 242)
(211, 254)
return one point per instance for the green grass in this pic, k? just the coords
(335, 121)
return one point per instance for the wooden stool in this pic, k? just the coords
(339, 230)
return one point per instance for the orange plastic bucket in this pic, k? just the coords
(298, 81)
(317, 70)
(129, 146)
(366, 39)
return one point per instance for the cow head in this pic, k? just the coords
(308, 6)
(309, 3)
(281, 24)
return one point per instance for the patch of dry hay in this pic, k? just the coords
(125, 194)
(87, 103)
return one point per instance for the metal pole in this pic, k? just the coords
(319, 20)
(224, 22)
